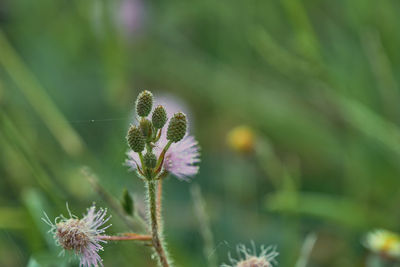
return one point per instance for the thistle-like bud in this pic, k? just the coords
(135, 139)
(146, 128)
(144, 103)
(159, 117)
(150, 160)
(127, 202)
(177, 127)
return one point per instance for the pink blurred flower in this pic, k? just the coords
(130, 16)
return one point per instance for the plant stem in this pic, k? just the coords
(161, 157)
(158, 136)
(127, 237)
(159, 203)
(156, 233)
(141, 159)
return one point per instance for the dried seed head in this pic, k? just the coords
(254, 262)
(82, 236)
(135, 139)
(177, 127)
(72, 235)
(159, 117)
(144, 103)
(249, 258)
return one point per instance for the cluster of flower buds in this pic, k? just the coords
(144, 138)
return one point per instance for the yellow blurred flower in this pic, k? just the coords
(383, 242)
(241, 139)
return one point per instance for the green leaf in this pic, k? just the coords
(127, 202)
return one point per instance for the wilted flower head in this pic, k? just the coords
(81, 236)
(383, 242)
(249, 258)
(181, 158)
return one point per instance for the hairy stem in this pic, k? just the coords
(158, 136)
(159, 197)
(159, 203)
(127, 237)
(161, 157)
(155, 229)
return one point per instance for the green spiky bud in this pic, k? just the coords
(144, 103)
(127, 202)
(150, 160)
(159, 117)
(135, 139)
(177, 127)
(146, 128)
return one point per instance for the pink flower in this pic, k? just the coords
(179, 160)
(82, 236)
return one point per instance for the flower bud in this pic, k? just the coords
(146, 128)
(177, 127)
(159, 117)
(144, 103)
(150, 160)
(135, 139)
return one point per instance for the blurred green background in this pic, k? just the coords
(315, 80)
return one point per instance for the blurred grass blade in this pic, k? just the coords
(33, 263)
(48, 260)
(280, 58)
(370, 124)
(12, 218)
(306, 250)
(335, 209)
(38, 98)
(382, 70)
(305, 36)
(204, 226)
(13, 140)
(36, 205)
